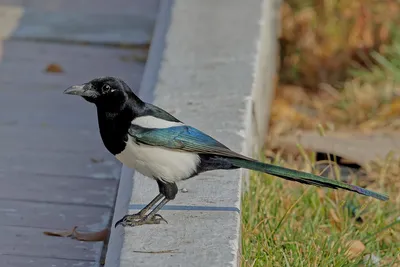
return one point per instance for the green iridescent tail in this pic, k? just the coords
(303, 177)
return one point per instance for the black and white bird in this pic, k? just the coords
(158, 145)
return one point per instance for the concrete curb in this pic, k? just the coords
(206, 69)
(262, 91)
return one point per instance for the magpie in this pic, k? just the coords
(153, 142)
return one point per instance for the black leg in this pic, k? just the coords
(169, 190)
(143, 211)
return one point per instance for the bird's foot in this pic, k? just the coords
(138, 219)
(130, 217)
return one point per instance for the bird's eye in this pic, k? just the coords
(106, 88)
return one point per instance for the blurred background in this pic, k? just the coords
(339, 69)
(335, 112)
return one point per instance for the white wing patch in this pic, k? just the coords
(156, 162)
(153, 122)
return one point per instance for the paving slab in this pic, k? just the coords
(78, 62)
(147, 7)
(29, 261)
(64, 189)
(53, 215)
(28, 241)
(98, 22)
(54, 170)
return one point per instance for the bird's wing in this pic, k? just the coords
(186, 138)
(182, 138)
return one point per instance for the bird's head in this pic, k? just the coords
(108, 93)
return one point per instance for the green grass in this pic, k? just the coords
(286, 224)
(385, 67)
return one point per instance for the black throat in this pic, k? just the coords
(114, 125)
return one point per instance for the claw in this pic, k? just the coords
(137, 219)
(120, 222)
(161, 218)
(128, 218)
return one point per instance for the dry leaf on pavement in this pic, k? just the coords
(90, 236)
(54, 68)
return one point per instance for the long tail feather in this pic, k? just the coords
(302, 177)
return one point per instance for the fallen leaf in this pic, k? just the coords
(355, 248)
(54, 68)
(93, 236)
(60, 234)
(90, 236)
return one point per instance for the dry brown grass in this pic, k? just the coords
(356, 108)
(321, 39)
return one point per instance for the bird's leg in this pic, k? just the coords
(142, 213)
(169, 190)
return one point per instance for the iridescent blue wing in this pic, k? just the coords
(183, 138)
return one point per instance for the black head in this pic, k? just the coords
(107, 93)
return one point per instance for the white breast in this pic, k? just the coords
(156, 162)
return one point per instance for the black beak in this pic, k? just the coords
(76, 90)
(84, 90)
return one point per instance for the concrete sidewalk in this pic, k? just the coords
(54, 171)
(207, 59)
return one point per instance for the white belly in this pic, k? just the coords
(155, 162)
